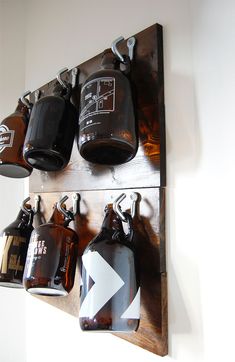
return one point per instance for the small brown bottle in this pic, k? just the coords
(14, 241)
(110, 294)
(12, 135)
(107, 133)
(52, 257)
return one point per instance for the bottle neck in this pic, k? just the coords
(111, 220)
(109, 60)
(21, 108)
(24, 218)
(57, 217)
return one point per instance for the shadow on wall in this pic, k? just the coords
(184, 152)
(183, 139)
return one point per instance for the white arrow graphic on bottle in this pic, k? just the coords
(107, 283)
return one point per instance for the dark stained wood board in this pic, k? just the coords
(148, 168)
(150, 245)
(98, 185)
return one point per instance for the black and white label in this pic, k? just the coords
(6, 137)
(98, 97)
(107, 282)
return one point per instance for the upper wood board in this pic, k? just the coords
(148, 168)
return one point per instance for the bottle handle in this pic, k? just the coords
(129, 221)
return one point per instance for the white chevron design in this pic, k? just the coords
(107, 283)
(133, 311)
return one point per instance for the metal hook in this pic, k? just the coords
(135, 197)
(24, 100)
(117, 208)
(37, 200)
(58, 77)
(23, 208)
(131, 45)
(67, 214)
(37, 95)
(76, 199)
(115, 49)
(74, 74)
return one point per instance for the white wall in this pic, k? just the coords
(12, 80)
(199, 90)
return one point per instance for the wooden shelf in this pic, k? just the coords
(98, 185)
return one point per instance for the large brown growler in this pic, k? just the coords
(12, 135)
(50, 135)
(14, 240)
(52, 257)
(110, 294)
(107, 129)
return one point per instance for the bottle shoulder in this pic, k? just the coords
(58, 228)
(106, 239)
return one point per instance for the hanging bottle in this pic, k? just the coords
(110, 294)
(52, 255)
(107, 128)
(12, 135)
(52, 127)
(14, 242)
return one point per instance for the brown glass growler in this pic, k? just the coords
(14, 241)
(52, 256)
(12, 135)
(50, 135)
(110, 294)
(107, 129)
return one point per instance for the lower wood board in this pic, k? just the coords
(150, 244)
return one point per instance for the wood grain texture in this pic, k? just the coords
(147, 84)
(99, 185)
(149, 241)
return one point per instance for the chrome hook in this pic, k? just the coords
(24, 208)
(117, 208)
(37, 200)
(115, 49)
(136, 198)
(76, 200)
(37, 95)
(24, 100)
(67, 214)
(74, 74)
(58, 77)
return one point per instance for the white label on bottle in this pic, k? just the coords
(10, 261)
(6, 137)
(98, 97)
(133, 311)
(107, 283)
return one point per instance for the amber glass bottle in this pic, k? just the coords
(14, 242)
(110, 294)
(107, 129)
(51, 259)
(12, 135)
(50, 135)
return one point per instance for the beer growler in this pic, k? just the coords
(14, 242)
(107, 133)
(110, 294)
(50, 135)
(52, 257)
(12, 135)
